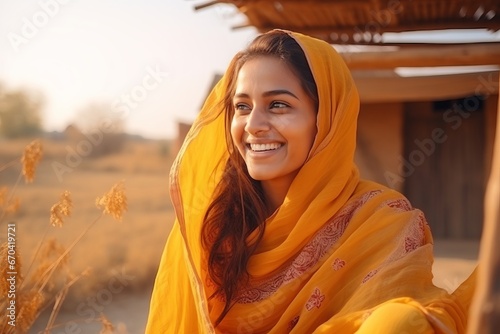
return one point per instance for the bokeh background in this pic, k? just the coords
(109, 87)
(104, 85)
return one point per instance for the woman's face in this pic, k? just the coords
(274, 123)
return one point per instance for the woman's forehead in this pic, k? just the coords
(262, 72)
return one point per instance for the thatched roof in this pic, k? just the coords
(364, 21)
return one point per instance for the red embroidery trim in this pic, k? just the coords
(293, 323)
(319, 245)
(338, 264)
(369, 275)
(315, 300)
(400, 204)
(413, 237)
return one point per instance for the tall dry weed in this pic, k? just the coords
(48, 278)
(61, 209)
(31, 158)
(114, 202)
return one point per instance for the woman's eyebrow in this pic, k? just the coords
(269, 93)
(279, 92)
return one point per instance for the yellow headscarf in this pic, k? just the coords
(335, 249)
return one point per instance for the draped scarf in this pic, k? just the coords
(336, 249)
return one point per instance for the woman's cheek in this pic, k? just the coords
(237, 129)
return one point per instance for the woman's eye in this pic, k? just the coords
(241, 107)
(278, 105)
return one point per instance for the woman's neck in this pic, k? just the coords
(275, 192)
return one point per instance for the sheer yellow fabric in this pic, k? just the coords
(335, 251)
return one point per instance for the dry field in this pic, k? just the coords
(123, 256)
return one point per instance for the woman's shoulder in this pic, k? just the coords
(377, 196)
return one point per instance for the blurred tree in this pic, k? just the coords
(102, 128)
(99, 116)
(20, 113)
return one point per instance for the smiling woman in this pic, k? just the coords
(275, 231)
(273, 125)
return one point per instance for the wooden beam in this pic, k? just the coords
(207, 4)
(464, 55)
(485, 310)
(417, 44)
(333, 34)
(387, 86)
(373, 40)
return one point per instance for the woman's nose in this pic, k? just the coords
(257, 121)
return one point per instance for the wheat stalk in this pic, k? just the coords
(31, 301)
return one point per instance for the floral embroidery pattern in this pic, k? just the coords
(338, 264)
(366, 315)
(369, 275)
(293, 323)
(415, 234)
(415, 231)
(315, 300)
(411, 238)
(319, 245)
(410, 244)
(400, 204)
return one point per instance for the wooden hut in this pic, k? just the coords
(436, 138)
(429, 135)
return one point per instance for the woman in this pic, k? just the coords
(275, 232)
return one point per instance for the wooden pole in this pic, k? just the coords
(425, 56)
(485, 310)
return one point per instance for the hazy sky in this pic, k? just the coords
(153, 60)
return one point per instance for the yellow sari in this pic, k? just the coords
(334, 253)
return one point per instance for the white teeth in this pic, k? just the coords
(264, 147)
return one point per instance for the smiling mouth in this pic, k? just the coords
(264, 147)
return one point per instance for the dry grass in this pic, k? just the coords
(131, 249)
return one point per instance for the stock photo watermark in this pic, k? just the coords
(380, 19)
(372, 30)
(454, 117)
(31, 26)
(127, 102)
(11, 274)
(121, 108)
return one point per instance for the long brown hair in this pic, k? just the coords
(238, 208)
